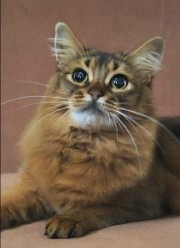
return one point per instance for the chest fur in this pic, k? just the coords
(83, 169)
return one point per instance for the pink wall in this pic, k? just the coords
(108, 25)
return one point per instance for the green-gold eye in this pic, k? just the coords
(80, 76)
(119, 81)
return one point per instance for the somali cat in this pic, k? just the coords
(95, 155)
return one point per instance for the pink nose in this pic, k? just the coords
(95, 93)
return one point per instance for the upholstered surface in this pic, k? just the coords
(162, 233)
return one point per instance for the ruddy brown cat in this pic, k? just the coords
(95, 154)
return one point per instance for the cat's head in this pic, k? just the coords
(94, 89)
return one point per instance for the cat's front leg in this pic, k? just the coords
(22, 204)
(76, 224)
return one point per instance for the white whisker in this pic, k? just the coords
(153, 120)
(63, 115)
(116, 129)
(31, 82)
(131, 137)
(53, 105)
(44, 117)
(28, 97)
(128, 119)
(144, 129)
(109, 120)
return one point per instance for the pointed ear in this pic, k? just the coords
(148, 57)
(66, 45)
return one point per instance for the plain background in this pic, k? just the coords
(110, 25)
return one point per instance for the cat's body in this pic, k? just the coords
(95, 155)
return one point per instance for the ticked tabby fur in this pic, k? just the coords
(95, 154)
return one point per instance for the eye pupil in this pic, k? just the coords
(79, 76)
(119, 81)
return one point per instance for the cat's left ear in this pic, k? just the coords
(66, 45)
(149, 56)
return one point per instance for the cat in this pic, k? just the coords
(95, 154)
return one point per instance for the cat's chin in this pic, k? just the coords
(90, 120)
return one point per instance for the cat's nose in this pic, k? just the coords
(96, 93)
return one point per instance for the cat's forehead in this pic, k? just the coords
(94, 58)
(100, 58)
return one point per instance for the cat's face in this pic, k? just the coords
(96, 88)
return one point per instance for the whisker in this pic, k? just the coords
(116, 129)
(38, 103)
(148, 104)
(31, 82)
(131, 137)
(153, 120)
(129, 120)
(145, 130)
(44, 117)
(119, 104)
(109, 120)
(153, 138)
(28, 97)
(63, 115)
(41, 84)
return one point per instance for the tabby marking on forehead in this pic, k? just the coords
(101, 70)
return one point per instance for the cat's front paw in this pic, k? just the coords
(67, 226)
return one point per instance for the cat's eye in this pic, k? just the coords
(80, 76)
(119, 81)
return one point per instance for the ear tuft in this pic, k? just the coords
(149, 56)
(65, 44)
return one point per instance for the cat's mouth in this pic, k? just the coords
(92, 108)
(92, 115)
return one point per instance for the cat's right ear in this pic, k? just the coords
(149, 56)
(65, 44)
